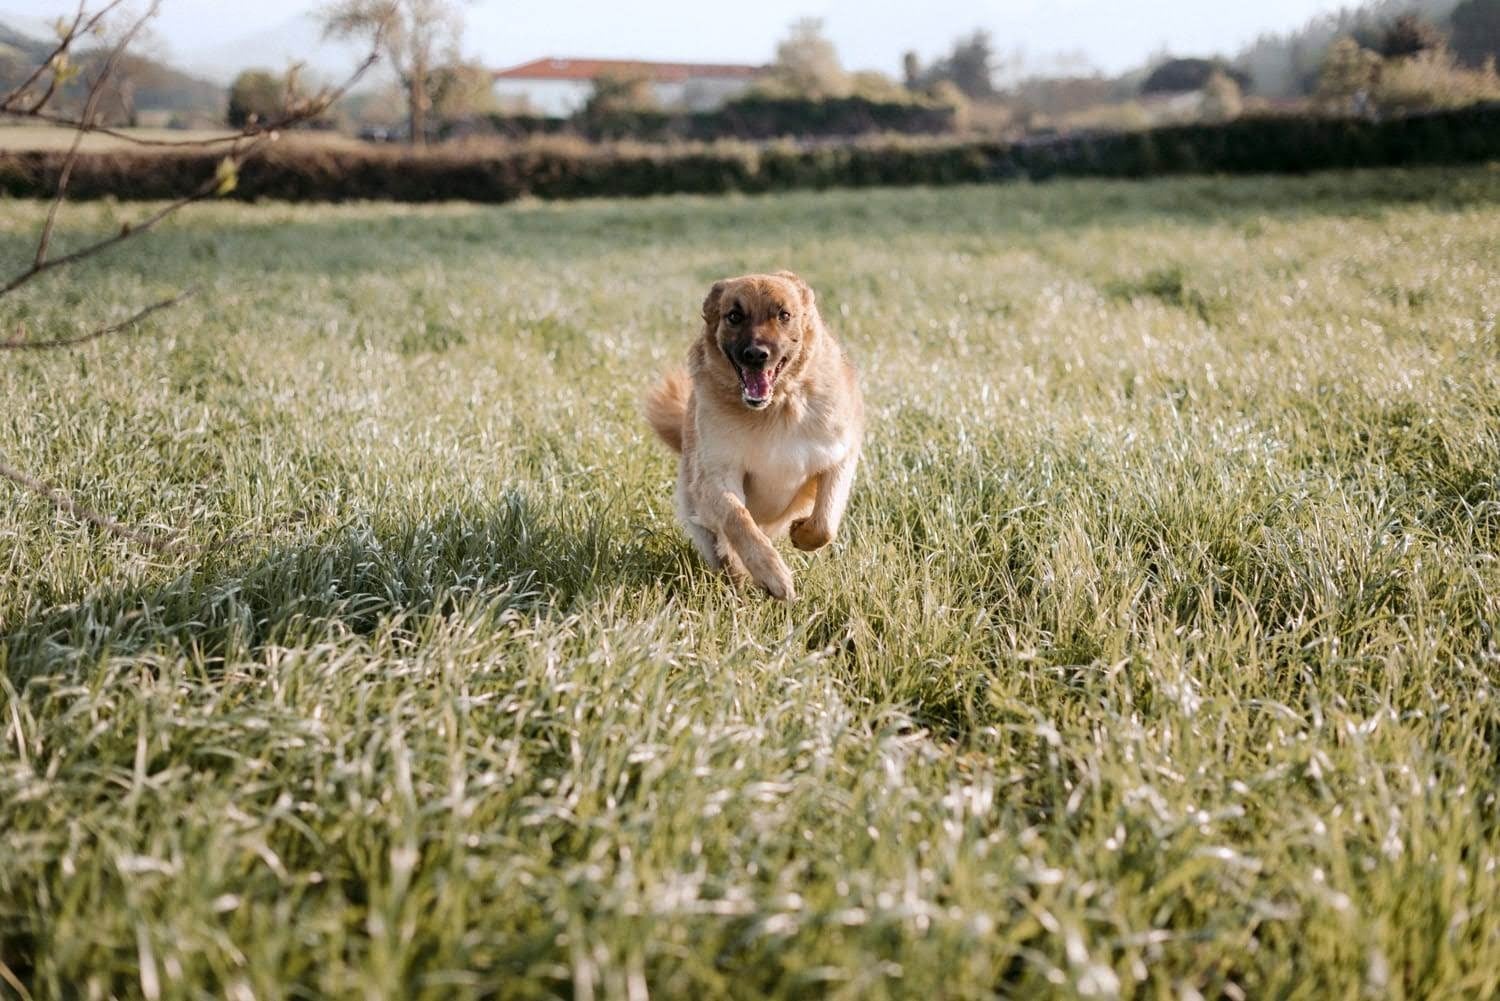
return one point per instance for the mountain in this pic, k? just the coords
(297, 40)
(19, 53)
(142, 85)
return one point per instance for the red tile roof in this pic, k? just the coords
(588, 69)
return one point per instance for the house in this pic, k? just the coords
(559, 87)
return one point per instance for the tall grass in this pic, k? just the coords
(1158, 657)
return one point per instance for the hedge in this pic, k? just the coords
(753, 117)
(1279, 145)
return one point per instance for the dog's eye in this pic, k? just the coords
(735, 318)
(786, 317)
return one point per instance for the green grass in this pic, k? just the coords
(1157, 657)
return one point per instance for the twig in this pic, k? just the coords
(242, 147)
(315, 106)
(90, 109)
(237, 158)
(83, 23)
(127, 231)
(114, 328)
(79, 511)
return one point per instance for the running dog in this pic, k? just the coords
(768, 421)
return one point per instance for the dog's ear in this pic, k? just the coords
(809, 300)
(711, 304)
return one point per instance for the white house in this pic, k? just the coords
(559, 87)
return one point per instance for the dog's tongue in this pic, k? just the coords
(757, 384)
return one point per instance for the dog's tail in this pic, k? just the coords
(666, 407)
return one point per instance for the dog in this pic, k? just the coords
(768, 420)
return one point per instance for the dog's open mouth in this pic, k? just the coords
(756, 385)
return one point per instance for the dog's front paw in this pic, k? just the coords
(809, 535)
(776, 579)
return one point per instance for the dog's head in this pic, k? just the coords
(760, 328)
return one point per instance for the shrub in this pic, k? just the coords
(563, 170)
(1433, 80)
(1222, 100)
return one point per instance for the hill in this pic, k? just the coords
(144, 87)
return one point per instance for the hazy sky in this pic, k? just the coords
(1112, 34)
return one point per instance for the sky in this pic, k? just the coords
(1111, 35)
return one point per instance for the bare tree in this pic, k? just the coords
(35, 98)
(416, 36)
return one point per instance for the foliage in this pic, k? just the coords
(755, 116)
(876, 87)
(461, 90)
(1222, 101)
(1181, 76)
(1433, 80)
(1246, 145)
(1348, 77)
(1289, 64)
(1476, 31)
(1410, 35)
(806, 66)
(416, 36)
(1157, 658)
(970, 66)
(256, 96)
(613, 95)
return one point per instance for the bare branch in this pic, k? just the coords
(83, 513)
(90, 109)
(93, 335)
(252, 140)
(242, 146)
(311, 108)
(127, 231)
(83, 24)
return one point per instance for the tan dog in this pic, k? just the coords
(768, 419)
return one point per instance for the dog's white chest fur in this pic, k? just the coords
(777, 465)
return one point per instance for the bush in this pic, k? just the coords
(302, 173)
(1433, 80)
(753, 117)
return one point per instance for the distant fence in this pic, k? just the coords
(1249, 146)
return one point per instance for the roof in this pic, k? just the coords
(589, 69)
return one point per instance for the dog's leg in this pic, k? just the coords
(735, 569)
(722, 505)
(818, 529)
(704, 540)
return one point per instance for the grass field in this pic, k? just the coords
(1157, 659)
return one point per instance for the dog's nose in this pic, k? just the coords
(755, 355)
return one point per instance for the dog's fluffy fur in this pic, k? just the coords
(768, 420)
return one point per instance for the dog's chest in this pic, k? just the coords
(777, 465)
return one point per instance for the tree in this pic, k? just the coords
(807, 65)
(970, 67)
(1476, 31)
(1184, 76)
(911, 70)
(1222, 99)
(1432, 80)
(461, 90)
(416, 36)
(873, 85)
(616, 93)
(1410, 35)
(1348, 76)
(255, 96)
